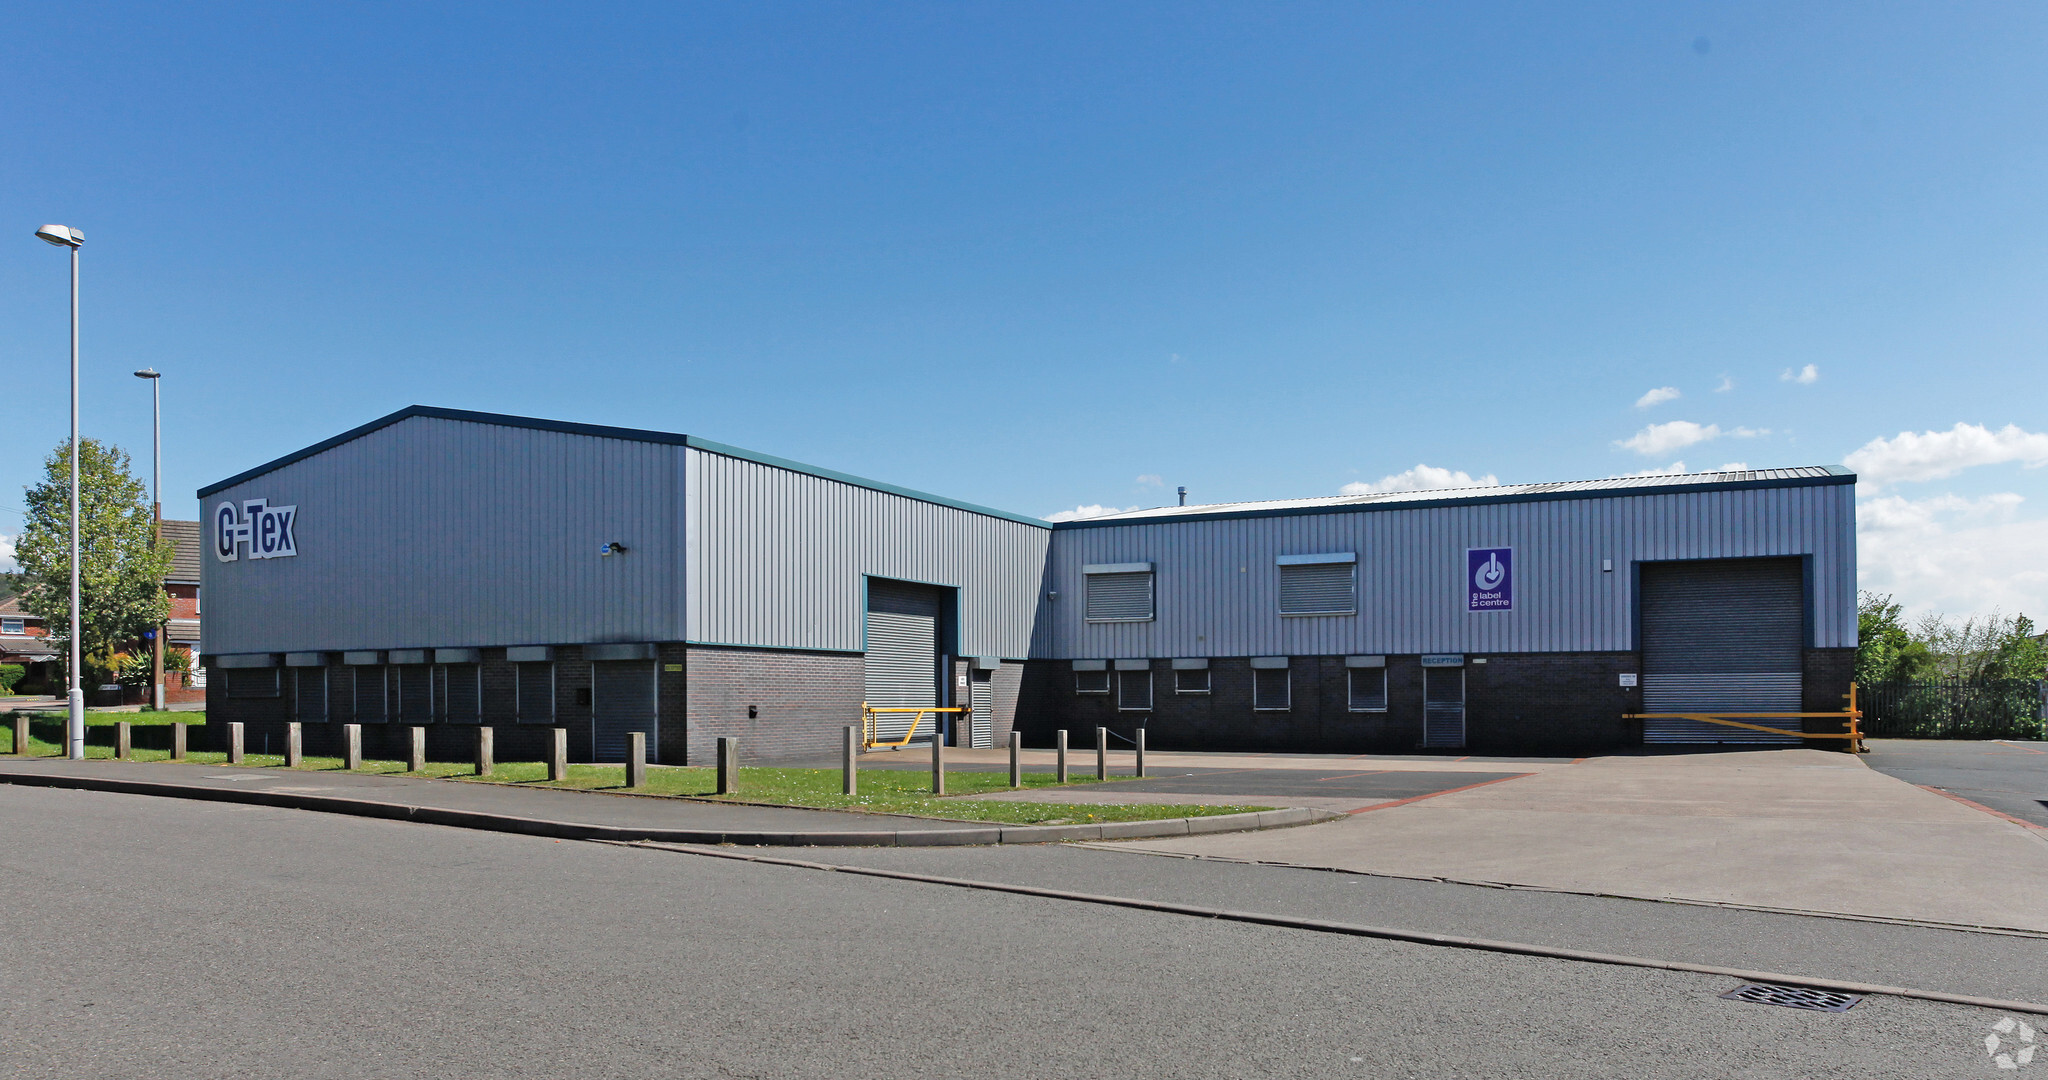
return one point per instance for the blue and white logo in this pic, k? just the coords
(269, 531)
(1490, 579)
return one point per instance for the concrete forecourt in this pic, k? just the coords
(236, 940)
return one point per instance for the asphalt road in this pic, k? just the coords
(171, 939)
(2009, 776)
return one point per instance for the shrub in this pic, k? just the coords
(10, 674)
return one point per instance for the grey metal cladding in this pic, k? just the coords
(438, 532)
(777, 559)
(1216, 583)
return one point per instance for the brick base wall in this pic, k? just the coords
(1564, 704)
(801, 701)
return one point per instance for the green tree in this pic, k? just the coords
(1886, 650)
(120, 586)
(2018, 653)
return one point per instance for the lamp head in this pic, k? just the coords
(61, 235)
(149, 373)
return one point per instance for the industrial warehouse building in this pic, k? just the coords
(449, 569)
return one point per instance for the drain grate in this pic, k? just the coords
(1794, 997)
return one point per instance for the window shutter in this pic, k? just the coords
(537, 692)
(1134, 690)
(1120, 597)
(1368, 689)
(1317, 589)
(1269, 688)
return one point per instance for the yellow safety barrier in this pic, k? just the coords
(870, 738)
(1733, 719)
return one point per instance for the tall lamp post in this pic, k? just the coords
(74, 729)
(156, 499)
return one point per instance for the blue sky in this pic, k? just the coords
(1030, 254)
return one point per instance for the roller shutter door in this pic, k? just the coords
(1722, 635)
(982, 699)
(1443, 707)
(903, 653)
(621, 701)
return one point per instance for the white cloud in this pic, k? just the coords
(1659, 439)
(1953, 555)
(1089, 511)
(1152, 480)
(1805, 376)
(1727, 384)
(1420, 478)
(1658, 396)
(1932, 455)
(7, 565)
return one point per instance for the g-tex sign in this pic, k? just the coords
(266, 529)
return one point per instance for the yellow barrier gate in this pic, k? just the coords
(1734, 719)
(870, 735)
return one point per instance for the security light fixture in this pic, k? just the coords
(149, 373)
(61, 235)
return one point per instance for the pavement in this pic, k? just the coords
(1791, 830)
(215, 940)
(555, 812)
(2007, 776)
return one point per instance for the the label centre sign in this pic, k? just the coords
(1490, 579)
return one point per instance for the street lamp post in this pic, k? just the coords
(74, 728)
(156, 499)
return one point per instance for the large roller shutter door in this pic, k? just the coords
(1722, 635)
(621, 701)
(903, 653)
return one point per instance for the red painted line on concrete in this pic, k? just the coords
(1434, 794)
(1979, 806)
(2011, 746)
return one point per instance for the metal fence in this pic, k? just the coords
(1954, 709)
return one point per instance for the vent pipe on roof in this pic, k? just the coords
(1183, 496)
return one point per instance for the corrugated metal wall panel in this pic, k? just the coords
(1216, 585)
(436, 532)
(777, 557)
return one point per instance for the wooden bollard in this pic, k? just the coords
(486, 739)
(1061, 745)
(21, 734)
(235, 744)
(178, 736)
(1101, 753)
(636, 759)
(558, 755)
(416, 750)
(1141, 751)
(849, 763)
(1016, 760)
(728, 765)
(351, 746)
(938, 764)
(294, 745)
(124, 740)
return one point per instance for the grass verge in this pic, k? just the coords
(883, 791)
